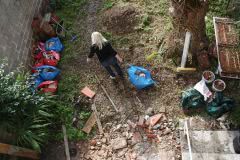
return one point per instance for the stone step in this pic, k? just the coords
(210, 141)
(210, 156)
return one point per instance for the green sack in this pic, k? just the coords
(220, 105)
(192, 99)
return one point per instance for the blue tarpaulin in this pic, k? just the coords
(140, 77)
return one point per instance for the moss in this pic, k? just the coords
(69, 84)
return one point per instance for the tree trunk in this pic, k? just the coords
(189, 15)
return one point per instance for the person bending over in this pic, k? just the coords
(107, 56)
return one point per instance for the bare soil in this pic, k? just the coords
(121, 21)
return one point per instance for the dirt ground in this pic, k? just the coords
(164, 97)
(121, 25)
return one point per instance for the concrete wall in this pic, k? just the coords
(15, 30)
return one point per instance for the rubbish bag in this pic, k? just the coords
(48, 72)
(51, 58)
(38, 63)
(48, 86)
(192, 99)
(220, 105)
(39, 55)
(54, 44)
(38, 51)
(140, 77)
(203, 89)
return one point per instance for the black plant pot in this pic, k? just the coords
(236, 144)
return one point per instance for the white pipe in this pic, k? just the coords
(185, 49)
(188, 139)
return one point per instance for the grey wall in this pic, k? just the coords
(15, 30)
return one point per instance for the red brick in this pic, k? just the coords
(88, 92)
(137, 137)
(154, 119)
(93, 142)
(151, 135)
(141, 121)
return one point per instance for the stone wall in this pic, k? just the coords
(15, 30)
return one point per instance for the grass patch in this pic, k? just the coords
(69, 11)
(216, 9)
(145, 23)
(69, 85)
(67, 112)
(108, 4)
(163, 8)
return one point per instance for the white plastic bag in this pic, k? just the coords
(203, 89)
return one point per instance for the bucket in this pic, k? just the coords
(218, 85)
(208, 76)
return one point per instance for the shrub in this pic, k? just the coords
(22, 113)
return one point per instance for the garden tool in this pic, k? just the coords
(73, 37)
(48, 17)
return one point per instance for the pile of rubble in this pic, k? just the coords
(141, 137)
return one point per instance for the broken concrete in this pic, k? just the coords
(118, 143)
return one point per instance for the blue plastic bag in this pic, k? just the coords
(54, 44)
(140, 77)
(48, 72)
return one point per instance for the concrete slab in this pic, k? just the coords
(209, 144)
(210, 156)
(161, 155)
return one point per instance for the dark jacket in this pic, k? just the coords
(104, 54)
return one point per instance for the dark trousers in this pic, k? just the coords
(112, 62)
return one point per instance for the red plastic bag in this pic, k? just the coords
(48, 86)
(38, 51)
(50, 62)
(54, 19)
(51, 58)
(38, 63)
(39, 55)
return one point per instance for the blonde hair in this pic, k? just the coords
(98, 39)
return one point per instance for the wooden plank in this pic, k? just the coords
(90, 123)
(180, 69)
(66, 142)
(100, 128)
(18, 151)
(105, 91)
(113, 104)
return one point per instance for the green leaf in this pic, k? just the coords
(36, 145)
(43, 113)
(40, 125)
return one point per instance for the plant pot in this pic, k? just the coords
(218, 85)
(208, 76)
(236, 144)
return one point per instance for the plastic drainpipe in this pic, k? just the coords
(188, 139)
